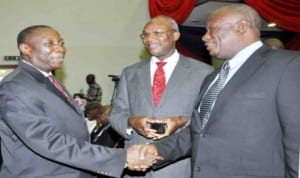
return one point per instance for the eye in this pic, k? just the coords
(157, 33)
(61, 43)
(49, 43)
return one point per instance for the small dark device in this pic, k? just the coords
(159, 127)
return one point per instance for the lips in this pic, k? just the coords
(153, 46)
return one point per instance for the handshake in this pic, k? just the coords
(141, 157)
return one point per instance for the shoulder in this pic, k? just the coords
(195, 64)
(136, 66)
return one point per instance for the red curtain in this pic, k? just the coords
(177, 9)
(285, 13)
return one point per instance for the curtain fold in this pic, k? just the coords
(177, 9)
(286, 14)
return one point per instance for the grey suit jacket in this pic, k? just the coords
(254, 128)
(43, 135)
(134, 98)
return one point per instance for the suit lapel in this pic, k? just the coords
(144, 78)
(241, 76)
(47, 84)
(176, 80)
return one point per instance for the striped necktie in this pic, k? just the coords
(210, 97)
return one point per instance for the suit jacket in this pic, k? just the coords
(134, 98)
(107, 136)
(254, 127)
(43, 135)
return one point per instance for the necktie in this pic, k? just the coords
(56, 83)
(211, 95)
(159, 82)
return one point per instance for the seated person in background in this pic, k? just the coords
(94, 92)
(103, 133)
(90, 111)
(274, 43)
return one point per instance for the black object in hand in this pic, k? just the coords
(159, 127)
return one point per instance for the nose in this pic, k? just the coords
(60, 48)
(206, 36)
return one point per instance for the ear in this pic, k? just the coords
(242, 26)
(25, 49)
(176, 36)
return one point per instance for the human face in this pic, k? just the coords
(45, 49)
(92, 114)
(159, 39)
(222, 38)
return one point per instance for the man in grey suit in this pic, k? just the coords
(253, 129)
(134, 109)
(43, 132)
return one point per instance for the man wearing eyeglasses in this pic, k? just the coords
(156, 101)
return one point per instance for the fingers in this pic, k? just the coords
(142, 157)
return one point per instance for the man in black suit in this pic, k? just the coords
(102, 133)
(253, 128)
(42, 130)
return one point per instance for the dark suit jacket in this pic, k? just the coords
(43, 135)
(254, 128)
(107, 136)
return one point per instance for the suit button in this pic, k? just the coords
(202, 135)
(198, 169)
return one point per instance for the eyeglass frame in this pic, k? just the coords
(155, 33)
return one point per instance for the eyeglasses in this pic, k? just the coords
(156, 34)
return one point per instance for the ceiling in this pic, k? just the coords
(201, 12)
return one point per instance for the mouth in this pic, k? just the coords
(153, 46)
(209, 46)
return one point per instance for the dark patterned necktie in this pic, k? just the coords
(210, 97)
(159, 82)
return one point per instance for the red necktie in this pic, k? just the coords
(56, 83)
(159, 82)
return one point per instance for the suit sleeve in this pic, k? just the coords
(288, 102)
(121, 111)
(174, 147)
(29, 122)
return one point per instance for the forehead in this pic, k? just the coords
(157, 24)
(42, 33)
(220, 18)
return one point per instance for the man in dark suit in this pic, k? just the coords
(42, 130)
(134, 106)
(253, 129)
(102, 133)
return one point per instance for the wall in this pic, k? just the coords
(101, 36)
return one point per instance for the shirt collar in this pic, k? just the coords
(171, 59)
(43, 72)
(244, 54)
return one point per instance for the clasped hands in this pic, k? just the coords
(141, 157)
(141, 125)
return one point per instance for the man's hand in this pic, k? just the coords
(141, 157)
(141, 126)
(173, 123)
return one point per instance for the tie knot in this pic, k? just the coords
(51, 78)
(160, 64)
(226, 66)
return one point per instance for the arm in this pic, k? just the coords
(170, 148)
(37, 126)
(120, 113)
(288, 102)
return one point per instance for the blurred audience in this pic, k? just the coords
(91, 111)
(94, 92)
(102, 133)
(274, 43)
